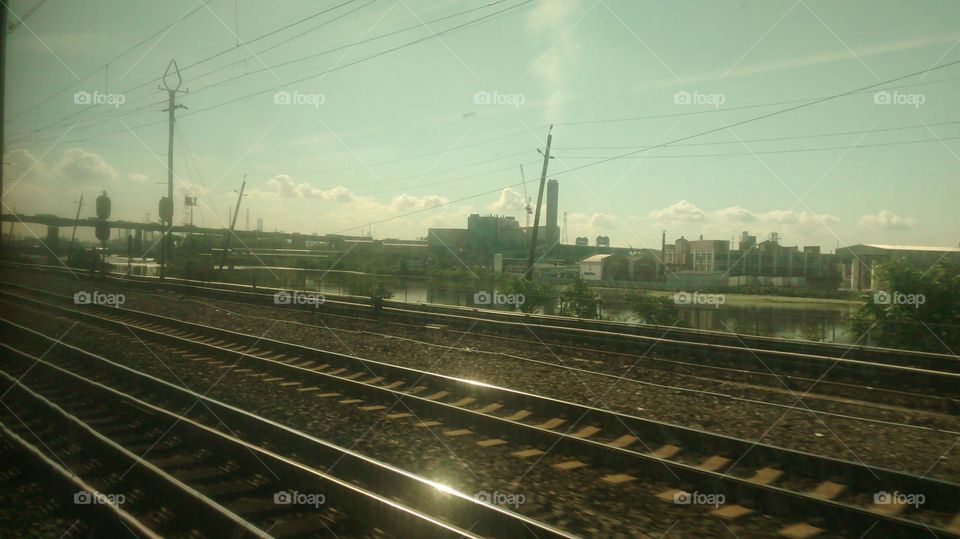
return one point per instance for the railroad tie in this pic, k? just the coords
(490, 408)
(350, 401)
(394, 385)
(327, 395)
(623, 441)
(731, 512)
(766, 476)
(463, 402)
(372, 408)
(586, 432)
(890, 509)
(954, 526)
(671, 495)
(517, 416)
(458, 432)
(437, 395)
(306, 364)
(335, 372)
(527, 453)
(490, 442)
(617, 478)
(373, 380)
(399, 415)
(428, 424)
(569, 465)
(354, 376)
(714, 463)
(308, 389)
(552, 423)
(801, 530)
(827, 490)
(666, 452)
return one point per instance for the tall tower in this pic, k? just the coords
(563, 236)
(553, 194)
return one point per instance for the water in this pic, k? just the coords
(787, 317)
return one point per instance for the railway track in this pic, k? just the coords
(169, 455)
(818, 492)
(896, 378)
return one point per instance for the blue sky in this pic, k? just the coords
(373, 134)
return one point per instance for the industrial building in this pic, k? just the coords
(767, 263)
(860, 262)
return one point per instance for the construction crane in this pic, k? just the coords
(528, 207)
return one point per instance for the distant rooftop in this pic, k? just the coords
(927, 248)
(595, 258)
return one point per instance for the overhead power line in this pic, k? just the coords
(664, 144)
(525, 4)
(789, 150)
(127, 51)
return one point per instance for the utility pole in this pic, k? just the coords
(233, 222)
(528, 275)
(74, 233)
(3, 98)
(167, 207)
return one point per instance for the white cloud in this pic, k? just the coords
(81, 166)
(887, 220)
(682, 211)
(686, 212)
(590, 225)
(509, 201)
(137, 177)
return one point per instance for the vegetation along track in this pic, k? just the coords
(834, 494)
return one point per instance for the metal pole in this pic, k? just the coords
(172, 90)
(3, 101)
(226, 247)
(74, 233)
(165, 247)
(528, 275)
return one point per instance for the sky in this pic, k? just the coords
(393, 116)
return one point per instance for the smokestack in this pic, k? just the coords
(553, 194)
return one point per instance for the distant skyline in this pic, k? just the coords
(360, 111)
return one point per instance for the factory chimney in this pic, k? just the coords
(553, 230)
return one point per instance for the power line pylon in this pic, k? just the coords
(172, 86)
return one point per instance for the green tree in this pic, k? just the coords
(650, 309)
(577, 300)
(536, 294)
(914, 309)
